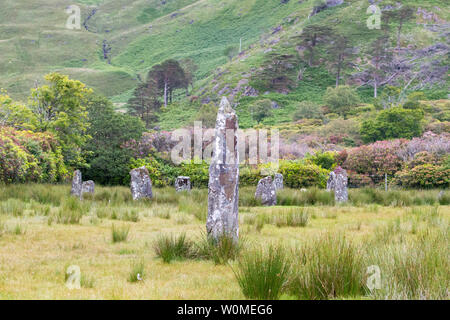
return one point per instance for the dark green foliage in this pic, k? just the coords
(279, 72)
(341, 99)
(308, 110)
(261, 109)
(326, 160)
(144, 103)
(302, 175)
(393, 123)
(108, 161)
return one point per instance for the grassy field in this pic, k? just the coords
(322, 250)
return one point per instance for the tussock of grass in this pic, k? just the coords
(119, 234)
(220, 251)
(329, 267)
(87, 282)
(137, 271)
(263, 274)
(170, 248)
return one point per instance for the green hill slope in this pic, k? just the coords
(142, 33)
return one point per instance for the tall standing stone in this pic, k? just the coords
(141, 184)
(278, 181)
(223, 187)
(183, 184)
(338, 182)
(77, 184)
(266, 192)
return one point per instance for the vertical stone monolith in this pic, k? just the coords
(141, 184)
(77, 184)
(223, 187)
(266, 192)
(338, 182)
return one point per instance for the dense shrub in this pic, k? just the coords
(326, 160)
(30, 157)
(341, 99)
(308, 110)
(373, 161)
(161, 172)
(393, 123)
(424, 176)
(298, 174)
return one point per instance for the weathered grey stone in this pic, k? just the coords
(88, 187)
(77, 184)
(266, 192)
(278, 181)
(338, 182)
(183, 184)
(141, 184)
(223, 187)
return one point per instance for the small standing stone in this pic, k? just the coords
(278, 181)
(88, 187)
(266, 192)
(338, 182)
(183, 184)
(141, 184)
(223, 186)
(77, 184)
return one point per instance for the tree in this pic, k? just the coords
(15, 115)
(279, 72)
(108, 161)
(312, 35)
(380, 69)
(144, 103)
(230, 52)
(60, 107)
(393, 123)
(207, 115)
(308, 110)
(341, 99)
(189, 68)
(168, 76)
(341, 52)
(402, 15)
(261, 109)
(390, 97)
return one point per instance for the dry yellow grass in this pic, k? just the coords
(33, 264)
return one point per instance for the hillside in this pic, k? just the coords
(140, 34)
(34, 40)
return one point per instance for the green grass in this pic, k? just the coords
(137, 272)
(170, 248)
(328, 258)
(263, 274)
(119, 234)
(331, 267)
